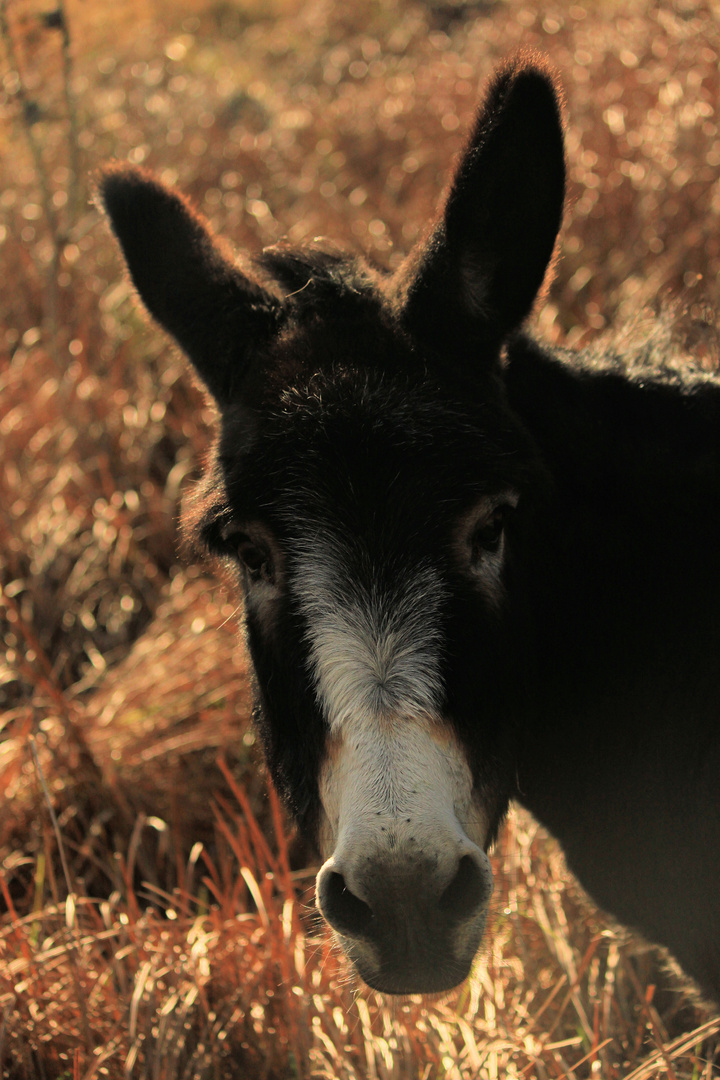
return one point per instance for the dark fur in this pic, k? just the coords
(393, 404)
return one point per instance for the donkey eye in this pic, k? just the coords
(488, 534)
(255, 558)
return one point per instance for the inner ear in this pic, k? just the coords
(479, 272)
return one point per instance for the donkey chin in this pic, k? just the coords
(405, 886)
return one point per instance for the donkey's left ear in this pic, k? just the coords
(477, 276)
(219, 315)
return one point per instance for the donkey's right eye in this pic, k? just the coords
(254, 552)
(255, 558)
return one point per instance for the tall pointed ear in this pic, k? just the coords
(215, 312)
(477, 275)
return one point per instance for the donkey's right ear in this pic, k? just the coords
(215, 312)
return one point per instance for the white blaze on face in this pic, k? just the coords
(373, 652)
(395, 779)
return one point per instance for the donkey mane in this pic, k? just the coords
(315, 272)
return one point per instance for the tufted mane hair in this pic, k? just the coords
(316, 272)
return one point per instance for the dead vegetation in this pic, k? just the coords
(154, 921)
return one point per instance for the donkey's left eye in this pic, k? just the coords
(488, 533)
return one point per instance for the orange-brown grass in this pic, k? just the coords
(155, 919)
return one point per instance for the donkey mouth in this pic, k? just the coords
(415, 982)
(431, 968)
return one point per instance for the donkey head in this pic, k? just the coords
(369, 485)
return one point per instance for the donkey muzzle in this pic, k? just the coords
(407, 928)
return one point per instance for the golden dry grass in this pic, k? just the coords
(154, 920)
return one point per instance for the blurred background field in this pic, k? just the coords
(155, 919)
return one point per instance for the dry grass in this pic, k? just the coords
(156, 921)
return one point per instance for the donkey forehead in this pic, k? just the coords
(367, 442)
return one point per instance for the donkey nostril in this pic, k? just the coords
(467, 892)
(345, 912)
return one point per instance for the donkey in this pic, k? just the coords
(474, 568)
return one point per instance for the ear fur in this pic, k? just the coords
(477, 275)
(215, 312)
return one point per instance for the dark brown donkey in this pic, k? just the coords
(475, 568)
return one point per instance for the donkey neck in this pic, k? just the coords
(624, 557)
(624, 580)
